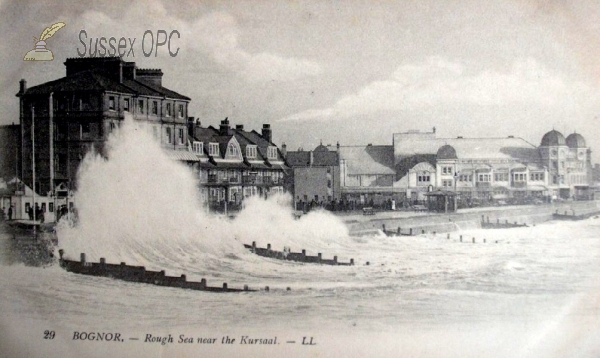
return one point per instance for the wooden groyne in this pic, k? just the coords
(295, 256)
(572, 215)
(140, 274)
(499, 225)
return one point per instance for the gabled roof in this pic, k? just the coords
(371, 159)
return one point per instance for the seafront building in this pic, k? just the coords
(477, 169)
(234, 164)
(70, 116)
(314, 176)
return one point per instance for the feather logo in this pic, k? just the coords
(40, 52)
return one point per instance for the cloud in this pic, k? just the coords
(441, 83)
(214, 35)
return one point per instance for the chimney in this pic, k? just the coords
(266, 132)
(284, 150)
(224, 127)
(152, 76)
(191, 126)
(198, 124)
(22, 86)
(338, 145)
(239, 127)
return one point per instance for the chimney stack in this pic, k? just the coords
(338, 145)
(224, 127)
(284, 150)
(190, 125)
(266, 132)
(239, 127)
(22, 86)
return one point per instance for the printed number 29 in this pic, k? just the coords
(48, 334)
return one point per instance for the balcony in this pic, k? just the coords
(483, 184)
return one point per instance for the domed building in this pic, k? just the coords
(568, 162)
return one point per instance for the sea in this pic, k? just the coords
(524, 292)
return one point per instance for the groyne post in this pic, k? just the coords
(203, 283)
(460, 238)
(410, 232)
(351, 262)
(448, 237)
(399, 231)
(245, 287)
(483, 218)
(383, 226)
(473, 240)
(319, 257)
(303, 255)
(267, 288)
(253, 246)
(224, 286)
(183, 278)
(422, 231)
(335, 260)
(82, 257)
(61, 252)
(484, 241)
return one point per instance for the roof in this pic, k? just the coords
(575, 140)
(553, 138)
(321, 158)
(370, 159)
(96, 81)
(471, 148)
(182, 155)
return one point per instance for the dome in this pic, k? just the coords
(575, 140)
(553, 138)
(446, 152)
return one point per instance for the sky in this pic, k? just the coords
(352, 72)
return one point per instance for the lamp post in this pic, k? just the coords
(456, 174)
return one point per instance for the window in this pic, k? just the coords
(446, 170)
(126, 104)
(181, 111)
(85, 129)
(272, 153)
(251, 151)
(141, 106)
(465, 177)
(168, 114)
(519, 177)
(500, 176)
(154, 107)
(198, 147)
(423, 177)
(180, 135)
(447, 183)
(232, 150)
(169, 136)
(484, 177)
(536, 176)
(213, 149)
(111, 103)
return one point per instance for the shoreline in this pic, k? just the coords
(359, 224)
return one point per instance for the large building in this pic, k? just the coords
(75, 113)
(234, 164)
(485, 169)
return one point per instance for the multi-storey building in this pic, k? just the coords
(67, 117)
(315, 175)
(474, 168)
(234, 164)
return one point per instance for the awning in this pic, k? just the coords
(182, 155)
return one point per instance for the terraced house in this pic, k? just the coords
(234, 164)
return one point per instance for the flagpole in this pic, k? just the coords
(33, 163)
